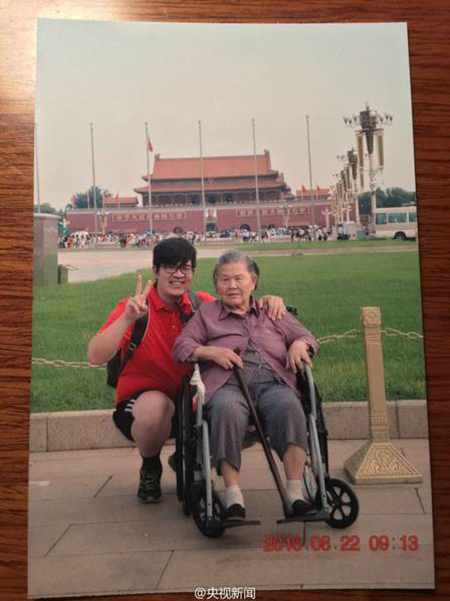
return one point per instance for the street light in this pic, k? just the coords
(287, 213)
(339, 196)
(370, 124)
(103, 220)
(350, 179)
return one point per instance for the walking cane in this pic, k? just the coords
(267, 451)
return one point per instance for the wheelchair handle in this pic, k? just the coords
(312, 389)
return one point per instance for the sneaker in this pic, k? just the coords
(150, 484)
(234, 512)
(301, 508)
(172, 461)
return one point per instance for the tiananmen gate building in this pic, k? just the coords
(229, 188)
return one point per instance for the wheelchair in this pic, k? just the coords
(334, 500)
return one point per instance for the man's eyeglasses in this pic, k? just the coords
(186, 269)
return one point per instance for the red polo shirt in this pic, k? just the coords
(152, 366)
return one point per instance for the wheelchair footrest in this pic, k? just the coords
(237, 523)
(319, 516)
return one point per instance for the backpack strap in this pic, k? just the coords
(195, 301)
(141, 325)
(137, 336)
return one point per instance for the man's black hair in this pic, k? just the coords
(174, 251)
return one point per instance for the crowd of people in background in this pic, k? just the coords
(84, 239)
(307, 233)
(87, 240)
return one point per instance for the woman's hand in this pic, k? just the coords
(274, 305)
(298, 353)
(136, 306)
(224, 357)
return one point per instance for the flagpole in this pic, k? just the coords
(202, 176)
(38, 191)
(310, 177)
(256, 181)
(149, 181)
(93, 184)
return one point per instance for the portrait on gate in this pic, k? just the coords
(228, 385)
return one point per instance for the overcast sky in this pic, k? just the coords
(119, 75)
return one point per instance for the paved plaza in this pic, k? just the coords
(90, 265)
(89, 535)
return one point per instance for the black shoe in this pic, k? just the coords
(150, 484)
(300, 507)
(234, 512)
(172, 461)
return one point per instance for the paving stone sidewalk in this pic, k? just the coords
(88, 535)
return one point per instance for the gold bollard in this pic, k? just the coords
(378, 460)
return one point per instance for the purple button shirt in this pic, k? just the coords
(214, 324)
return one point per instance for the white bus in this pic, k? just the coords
(399, 223)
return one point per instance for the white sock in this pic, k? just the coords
(294, 490)
(233, 495)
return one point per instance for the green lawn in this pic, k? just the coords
(274, 245)
(328, 291)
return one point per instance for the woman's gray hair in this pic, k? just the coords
(234, 256)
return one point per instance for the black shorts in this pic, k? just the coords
(123, 415)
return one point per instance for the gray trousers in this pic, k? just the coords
(277, 404)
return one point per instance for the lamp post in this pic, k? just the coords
(370, 124)
(103, 220)
(353, 164)
(287, 214)
(258, 216)
(202, 180)
(339, 196)
(349, 177)
(310, 178)
(149, 179)
(94, 190)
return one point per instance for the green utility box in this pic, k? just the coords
(63, 274)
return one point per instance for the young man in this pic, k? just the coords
(147, 387)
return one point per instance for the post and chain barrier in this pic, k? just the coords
(392, 333)
(61, 363)
(378, 460)
(355, 333)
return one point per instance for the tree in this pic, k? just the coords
(81, 200)
(364, 201)
(48, 209)
(398, 197)
(393, 197)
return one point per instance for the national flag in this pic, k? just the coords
(149, 144)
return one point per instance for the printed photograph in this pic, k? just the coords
(228, 384)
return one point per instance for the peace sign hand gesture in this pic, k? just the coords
(136, 306)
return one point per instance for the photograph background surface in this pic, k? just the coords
(320, 70)
(427, 55)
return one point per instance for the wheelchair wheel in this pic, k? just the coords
(342, 503)
(185, 449)
(210, 529)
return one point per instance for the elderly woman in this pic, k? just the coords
(270, 354)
